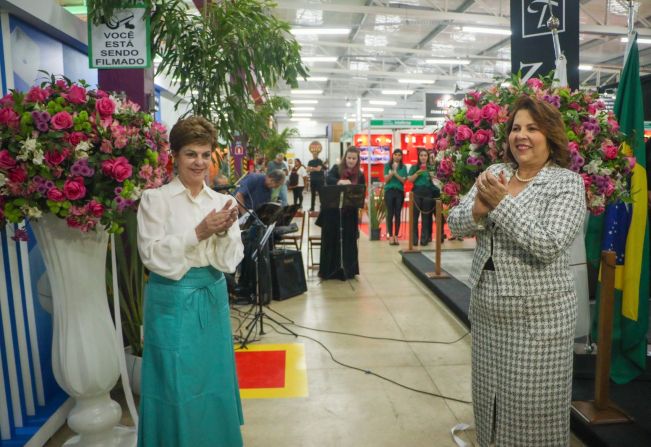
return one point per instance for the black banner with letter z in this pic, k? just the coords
(532, 46)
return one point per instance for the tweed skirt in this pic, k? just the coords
(521, 366)
(190, 395)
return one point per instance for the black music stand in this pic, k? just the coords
(260, 257)
(339, 197)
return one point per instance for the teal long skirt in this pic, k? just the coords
(190, 395)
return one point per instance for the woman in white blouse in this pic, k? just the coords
(188, 236)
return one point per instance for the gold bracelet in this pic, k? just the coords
(222, 233)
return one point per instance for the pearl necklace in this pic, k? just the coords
(524, 180)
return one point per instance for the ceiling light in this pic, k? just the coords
(417, 117)
(307, 109)
(448, 61)
(625, 40)
(397, 92)
(367, 115)
(372, 109)
(377, 102)
(348, 104)
(319, 59)
(302, 115)
(480, 30)
(303, 120)
(584, 67)
(305, 101)
(316, 79)
(416, 81)
(307, 92)
(322, 31)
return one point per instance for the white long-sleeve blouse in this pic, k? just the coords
(167, 241)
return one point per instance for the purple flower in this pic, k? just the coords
(477, 161)
(553, 100)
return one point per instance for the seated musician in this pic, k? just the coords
(255, 189)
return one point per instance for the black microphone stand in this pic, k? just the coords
(258, 258)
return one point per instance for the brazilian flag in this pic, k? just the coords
(623, 229)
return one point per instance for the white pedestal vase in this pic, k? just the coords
(84, 346)
(579, 268)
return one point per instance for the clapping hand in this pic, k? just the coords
(217, 221)
(491, 189)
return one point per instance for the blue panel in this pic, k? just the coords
(33, 50)
(75, 66)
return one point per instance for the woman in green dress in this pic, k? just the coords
(187, 237)
(423, 193)
(395, 174)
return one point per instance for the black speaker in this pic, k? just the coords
(287, 274)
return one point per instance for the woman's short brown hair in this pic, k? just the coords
(192, 130)
(550, 122)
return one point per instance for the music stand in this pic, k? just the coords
(259, 256)
(339, 197)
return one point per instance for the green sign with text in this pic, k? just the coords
(397, 123)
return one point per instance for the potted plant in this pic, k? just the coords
(376, 211)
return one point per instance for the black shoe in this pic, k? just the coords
(424, 243)
(415, 244)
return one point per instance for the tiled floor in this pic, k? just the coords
(349, 408)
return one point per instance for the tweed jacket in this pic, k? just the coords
(530, 233)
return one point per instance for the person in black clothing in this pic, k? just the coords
(346, 173)
(316, 170)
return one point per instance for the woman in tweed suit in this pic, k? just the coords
(524, 215)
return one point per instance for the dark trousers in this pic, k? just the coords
(424, 207)
(393, 198)
(315, 189)
(298, 195)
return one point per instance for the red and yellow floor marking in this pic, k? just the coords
(272, 371)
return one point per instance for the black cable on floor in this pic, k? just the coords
(368, 371)
(290, 321)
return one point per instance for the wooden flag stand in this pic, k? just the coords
(601, 410)
(437, 273)
(410, 229)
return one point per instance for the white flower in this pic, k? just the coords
(38, 158)
(136, 193)
(3, 179)
(593, 167)
(81, 150)
(29, 144)
(33, 212)
(597, 200)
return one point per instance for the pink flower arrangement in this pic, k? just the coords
(474, 137)
(81, 154)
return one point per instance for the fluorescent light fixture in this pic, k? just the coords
(372, 109)
(367, 115)
(377, 102)
(625, 40)
(307, 109)
(316, 79)
(319, 59)
(417, 117)
(302, 115)
(321, 31)
(416, 81)
(303, 120)
(397, 92)
(481, 30)
(584, 67)
(306, 92)
(305, 101)
(447, 61)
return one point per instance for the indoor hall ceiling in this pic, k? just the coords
(390, 42)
